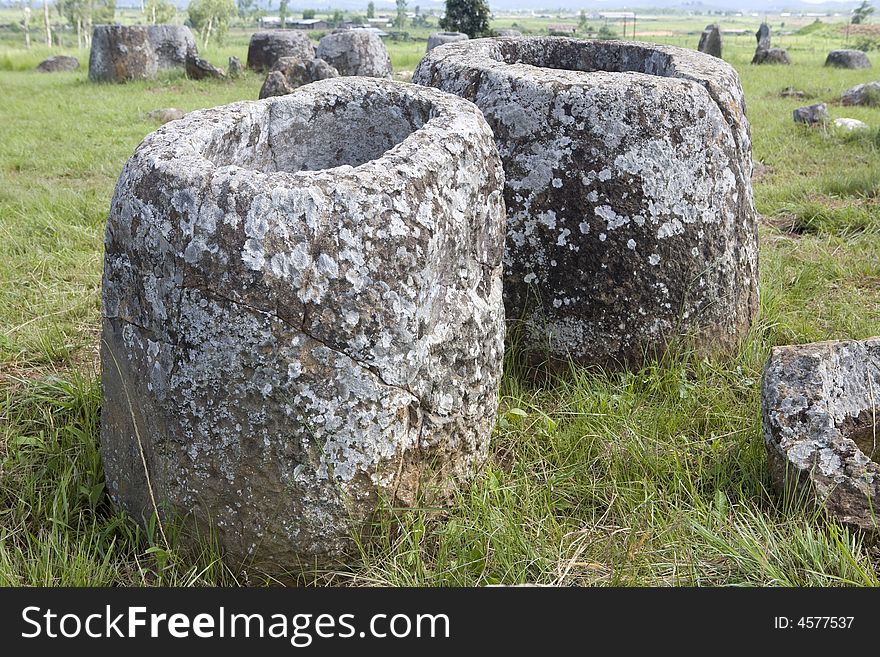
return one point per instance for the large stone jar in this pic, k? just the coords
(631, 220)
(355, 52)
(121, 53)
(302, 314)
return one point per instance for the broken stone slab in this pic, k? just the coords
(171, 43)
(505, 33)
(862, 94)
(57, 64)
(848, 59)
(295, 73)
(302, 315)
(121, 53)
(201, 69)
(266, 48)
(439, 38)
(628, 171)
(710, 40)
(849, 125)
(355, 52)
(166, 114)
(763, 37)
(821, 408)
(812, 114)
(771, 56)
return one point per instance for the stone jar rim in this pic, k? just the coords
(443, 124)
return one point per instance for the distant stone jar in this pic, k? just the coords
(847, 59)
(628, 169)
(171, 43)
(121, 53)
(822, 426)
(302, 314)
(439, 38)
(355, 52)
(266, 48)
(710, 41)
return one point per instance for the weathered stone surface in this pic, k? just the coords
(848, 59)
(504, 33)
(862, 94)
(58, 63)
(771, 56)
(266, 48)
(121, 53)
(791, 92)
(166, 114)
(200, 69)
(812, 114)
(821, 406)
(710, 41)
(171, 43)
(234, 69)
(630, 210)
(439, 38)
(301, 311)
(763, 37)
(355, 52)
(295, 73)
(849, 125)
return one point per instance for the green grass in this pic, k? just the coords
(656, 477)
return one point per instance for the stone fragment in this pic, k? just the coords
(58, 63)
(121, 53)
(275, 84)
(166, 114)
(234, 69)
(355, 52)
(850, 125)
(710, 40)
(200, 69)
(862, 94)
(821, 416)
(771, 56)
(628, 170)
(505, 33)
(266, 48)
(302, 315)
(439, 38)
(848, 59)
(812, 114)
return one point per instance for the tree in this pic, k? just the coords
(861, 13)
(26, 22)
(282, 12)
(468, 16)
(81, 14)
(246, 8)
(337, 18)
(371, 9)
(400, 21)
(211, 17)
(308, 13)
(159, 11)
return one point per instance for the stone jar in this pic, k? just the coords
(302, 315)
(171, 43)
(628, 169)
(121, 53)
(266, 48)
(355, 52)
(439, 38)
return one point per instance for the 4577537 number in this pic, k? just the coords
(813, 622)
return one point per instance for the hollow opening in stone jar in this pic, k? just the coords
(585, 56)
(297, 134)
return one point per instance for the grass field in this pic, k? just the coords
(656, 477)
